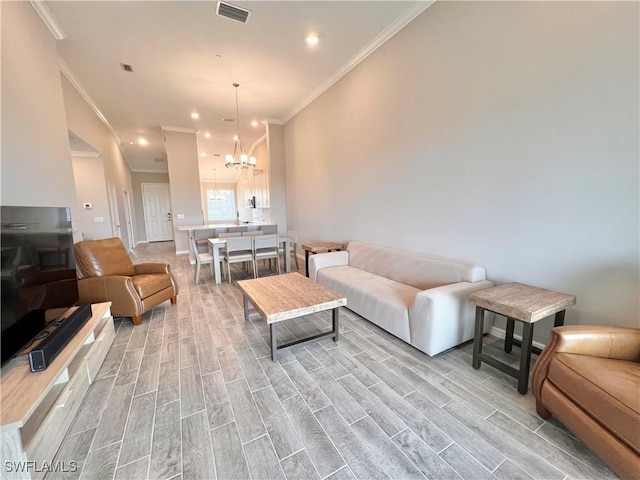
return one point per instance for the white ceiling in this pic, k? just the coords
(185, 58)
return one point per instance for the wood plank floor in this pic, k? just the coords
(192, 393)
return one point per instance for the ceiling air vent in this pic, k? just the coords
(126, 68)
(238, 14)
(159, 160)
(228, 119)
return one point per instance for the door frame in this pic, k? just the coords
(129, 219)
(144, 210)
(112, 195)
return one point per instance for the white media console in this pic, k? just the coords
(36, 409)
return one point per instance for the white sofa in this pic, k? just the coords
(421, 299)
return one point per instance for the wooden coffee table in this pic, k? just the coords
(281, 297)
(319, 247)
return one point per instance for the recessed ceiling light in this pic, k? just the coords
(235, 138)
(143, 141)
(130, 143)
(195, 115)
(207, 134)
(312, 39)
(254, 123)
(203, 154)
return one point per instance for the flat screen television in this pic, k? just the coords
(38, 281)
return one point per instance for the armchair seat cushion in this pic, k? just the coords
(147, 284)
(606, 389)
(390, 311)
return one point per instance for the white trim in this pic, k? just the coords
(89, 154)
(168, 128)
(500, 333)
(147, 170)
(48, 19)
(139, 242)
(275, 121)
(377, 42)
(256, 143)
(66, 71)
(183, 252)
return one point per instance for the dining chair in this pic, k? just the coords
(239, 250)
(269, 229)
(201, 258)
(293, 235)
(227, 235)
(265, 247)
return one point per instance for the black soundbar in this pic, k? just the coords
(47, 350)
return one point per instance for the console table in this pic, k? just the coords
(522, 303)
(38, 408)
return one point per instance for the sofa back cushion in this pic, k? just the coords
(416, 269)
(97, 258)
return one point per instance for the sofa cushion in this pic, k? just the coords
(410, 268)
(604, 388)
(149, 283)
(378, 299)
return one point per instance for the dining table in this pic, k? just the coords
(216, 244)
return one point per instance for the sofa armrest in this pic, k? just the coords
(449, 304)
(618, 343)
(323, 260)
(141, 268)
(117, 289)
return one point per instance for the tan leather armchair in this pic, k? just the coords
(107, 274)
(588, 377)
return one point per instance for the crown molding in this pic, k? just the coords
(148, 170)
(66, 71)
(48, 19)
(256, 143)
(274, 121)
(401, 22)
(85, 154)
(167, 128)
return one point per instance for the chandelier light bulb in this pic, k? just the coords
(252, 161)
(229, 158)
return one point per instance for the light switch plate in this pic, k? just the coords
(98, 219)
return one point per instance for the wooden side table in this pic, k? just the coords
(525, 304)
(319, 247)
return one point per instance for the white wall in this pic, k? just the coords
(36, 158)
(184, 176)
(91, 187)
(504, 133)
(86, 125)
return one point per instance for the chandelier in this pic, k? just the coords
(239, 159)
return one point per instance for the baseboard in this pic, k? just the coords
(182, 252)
(500, 333)
(140, 242)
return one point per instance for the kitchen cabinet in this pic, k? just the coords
(261, 190)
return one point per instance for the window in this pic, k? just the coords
(221, 204)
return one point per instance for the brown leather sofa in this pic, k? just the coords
(107, 274)
(589, 378)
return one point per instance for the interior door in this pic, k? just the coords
(113, 207)
(157, 212)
